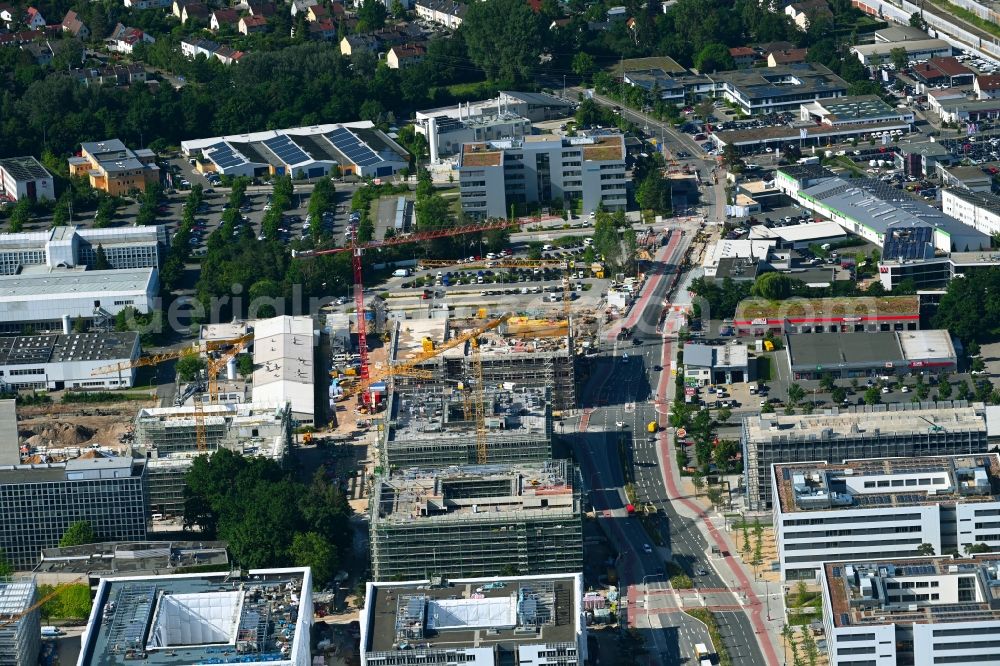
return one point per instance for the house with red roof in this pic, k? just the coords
(251, 24)
(404, 55)
(123, 38)
(987, 86)
(72, 24)
(34, 19)
(224, 18)
(743, 56)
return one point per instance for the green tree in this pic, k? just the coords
(795, 394)
(973, 548)
(101, 262)
(724, 454)
(838, 395)
(899, 57)
(774, 286)
(925, 549)
(244, 365)
(944, 389)
(714, 495)
(758, 544)
(310, 549)
(371, 16)
(873, 396)
(827, 382)
(713, 57)
(20, 216)
(699, 483)
(503, 39)
(584, 65)
(809, 647)
(917, 21)
(6, 568)
(801, 593)
(189, 366)
(78, 534)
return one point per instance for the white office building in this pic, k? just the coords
(884, 508)
(284, 364)
(525, 620)
(71, 247)
(42, 299)
(922, 611)
(979, 210)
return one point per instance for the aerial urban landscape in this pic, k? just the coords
(500, 332)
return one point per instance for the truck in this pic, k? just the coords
(701, 652)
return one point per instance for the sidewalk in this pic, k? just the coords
(640, 304)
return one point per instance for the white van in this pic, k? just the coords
(547, 247)
(401, 272)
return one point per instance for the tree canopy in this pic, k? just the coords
(78, 534)
(503, 39)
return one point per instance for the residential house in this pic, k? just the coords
(72, 24)
(317, 13)
(443, 12)
(6, 14)
(743, 56)
(786, 57)
(22, 37)
(251, 24)
(34, 19)
(405, 55)
(987, 86)
(353, 44)
(227, 55)
(804, 13)
(560, 23)
(39, 51)
(123, 39)
(148, 4)
(192, 47)
(229, 18)
(323, 30)
(265, 9)
(195, 11)
(299, 6)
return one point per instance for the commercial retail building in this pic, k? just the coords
(846, 355)
(39, 502)
(167, 437)
(40, 300)
(584, 173)
(716, 364)
(883, 431)
(114, 168)
(863, 314)
(20, 624)
(526, 620)
(262, 616)
(25, 178)
(436, 427)
(68, 361)
(920, 611)
(477, 521)
(885, 508)
(357, 148)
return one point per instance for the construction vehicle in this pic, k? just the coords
(357, 250)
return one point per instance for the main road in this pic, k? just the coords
(627, 390)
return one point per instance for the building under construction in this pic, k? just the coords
(522, 351)
(483, 520)
(167, 437)
(435, 426)
(20, 624)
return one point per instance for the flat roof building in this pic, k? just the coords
(853, 110)
(887, 507)
(114, 168)
(921, 611)
(716, 364)
(916, 49)
(477, 521)
(846, 355)
(526, 620)
(71, 246)
(25, 178)
(20, 624)
(357, 148)
(451, 133)
(979, 210)
(68, 361)
(882, 431)
(40, 502)
(868, 314)
(434, 427)
(284, 359)
(587, 172)
(262, 616)
(39, 300)
(111, 559)
(798, 236)
(167, 437)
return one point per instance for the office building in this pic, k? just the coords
(435, 426)
(262, 616)
(91, 360)
(920, 611)
(524, 352)
(884, 431)
(535, 106)
(525, 620)
(872, 209)
(71, 247)
(40, 502)
(167, 437)
(934, 273)
(357, 148)
(892, 354)
(584, 173)
(114, 168)
(41, 300)
(20, 624)
(120, 559)
(862, 314)
(477, 521)
(284, 359)
(979, 210)
(25, 178)
(885, 508)
(447, 135)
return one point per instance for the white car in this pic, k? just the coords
(647, 548)
(904, 389)
(886, 389)
(619, 424)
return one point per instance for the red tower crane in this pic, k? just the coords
(358, 249)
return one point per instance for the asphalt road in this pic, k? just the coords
(623, 392)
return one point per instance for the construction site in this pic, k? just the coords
(168, 437)
(20, 622)
(521, 351)
(477, 520)
(436, 427)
